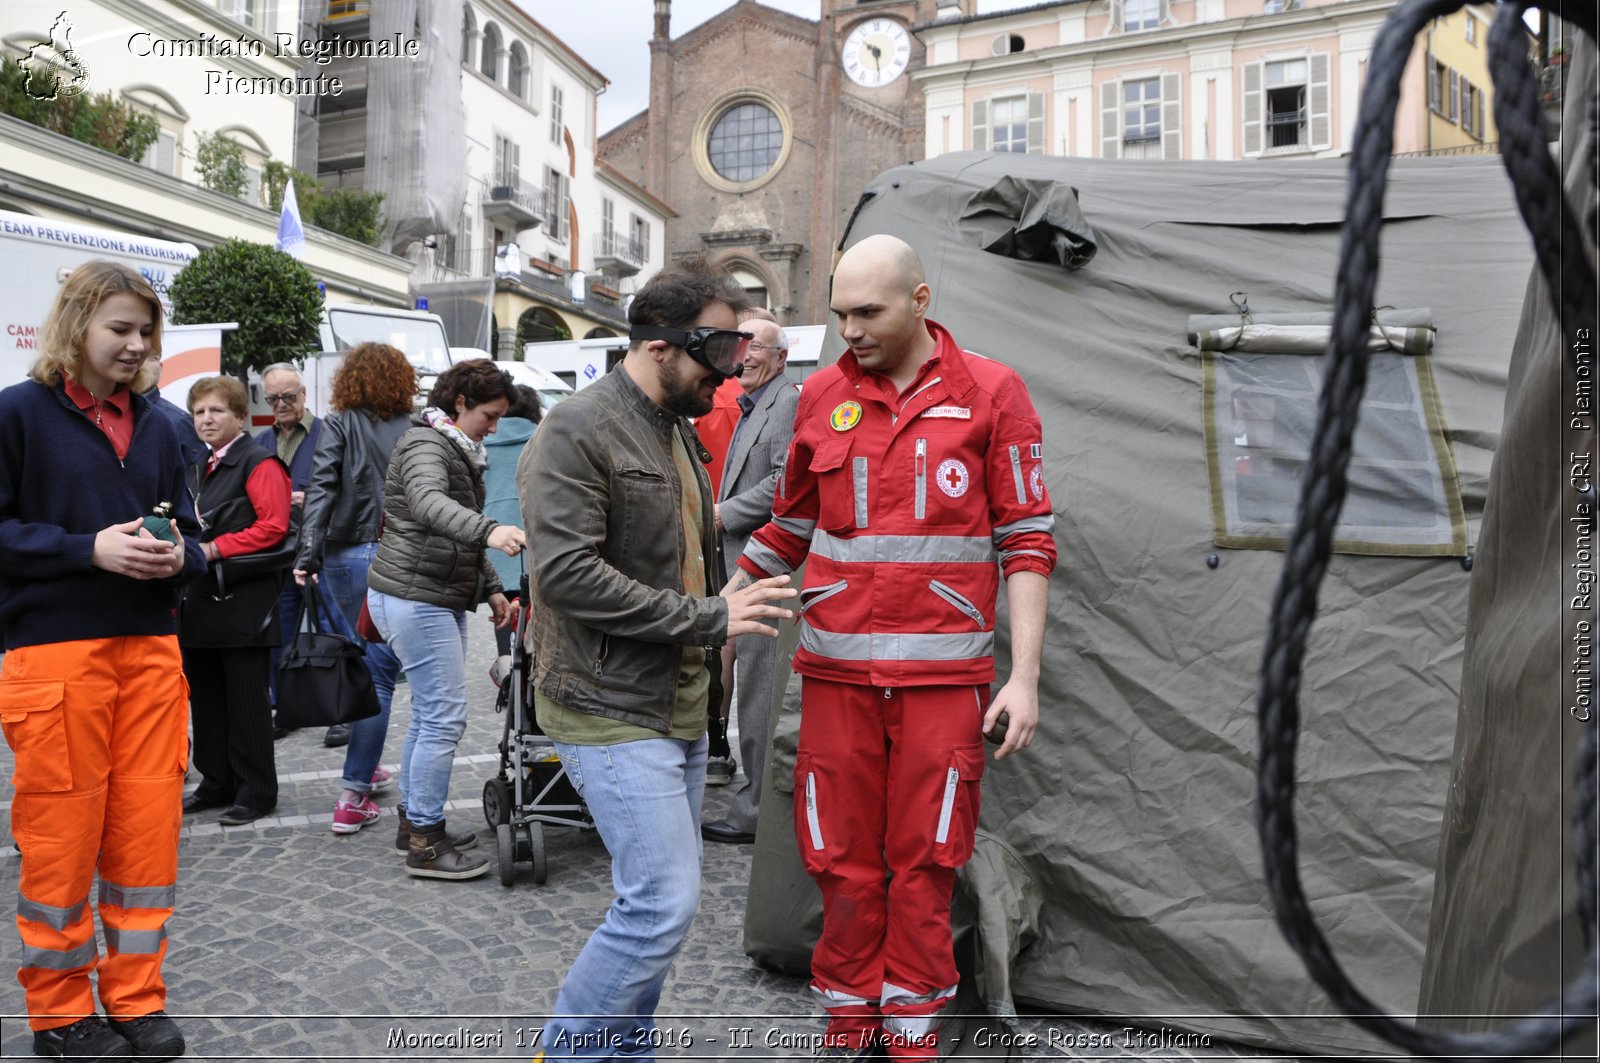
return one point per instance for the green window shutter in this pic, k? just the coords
(1252, 108)
(1433, 85)
(1116, 23)
(1111, 120)
(1453, 96)
(1171, 116)
(1036, 123)
(980, 125)
(1319, 102)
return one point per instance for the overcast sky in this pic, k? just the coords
(613, 36)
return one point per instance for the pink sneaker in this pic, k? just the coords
(382, 779)
(351, 816)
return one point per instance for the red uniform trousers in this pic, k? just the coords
(98, 730)
(887, 783)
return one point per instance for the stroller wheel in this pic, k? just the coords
(502, 838)
(533, 839)
(497, 802)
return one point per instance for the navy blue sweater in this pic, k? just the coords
(61, 483)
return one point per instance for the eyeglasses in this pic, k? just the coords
(758, 347)
(720, 350)
(287, 396)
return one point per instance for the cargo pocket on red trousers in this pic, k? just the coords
(808, 814)
(955, 830)
(34, 720)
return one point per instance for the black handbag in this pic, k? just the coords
(322, 677)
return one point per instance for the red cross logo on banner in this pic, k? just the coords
(952, 478)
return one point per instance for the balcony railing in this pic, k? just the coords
(600, 299)
(1491, 147)
(521, 204)
(1287, 128)
(614, 253)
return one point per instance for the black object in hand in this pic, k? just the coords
(159, 522)
(997, 733)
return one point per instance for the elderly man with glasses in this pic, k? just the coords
(293, 437)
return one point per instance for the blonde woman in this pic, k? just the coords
(92, 692)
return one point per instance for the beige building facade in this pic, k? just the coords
(1183, 79)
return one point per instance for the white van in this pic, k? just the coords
(36, 254)
(581, 362)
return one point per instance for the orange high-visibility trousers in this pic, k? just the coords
(98, 729)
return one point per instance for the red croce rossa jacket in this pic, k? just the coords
(904, 507)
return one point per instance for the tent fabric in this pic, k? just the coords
(1403, 331)
(1508, 822)
(1132, 813)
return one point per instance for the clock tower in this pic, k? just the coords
(764, 129)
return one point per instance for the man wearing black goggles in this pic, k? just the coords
(720, 350)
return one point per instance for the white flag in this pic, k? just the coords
(291, 234)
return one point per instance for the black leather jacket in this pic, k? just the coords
(600, 501)
(344, 497)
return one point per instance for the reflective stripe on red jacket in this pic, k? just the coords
(904, 505)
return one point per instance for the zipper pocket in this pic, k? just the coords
(813, 595)
(957, 600)
(600, 659)
(922, 480)
(813, 823)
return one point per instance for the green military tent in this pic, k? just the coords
(1174, 365)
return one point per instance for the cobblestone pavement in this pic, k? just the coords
(292, 943)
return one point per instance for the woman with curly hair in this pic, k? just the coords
(371, 403)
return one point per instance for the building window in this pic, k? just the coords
(1472, 28)
(556, 100)
(507, 161)
(745, 142)
(517, 71)
(1007, 44)
(1141, 14)
(245, 11)
(555, 197)
(1286, 103)
(1009, 122)
(1275, 7)
(1471, 109)
(1141, 110)
(608, 222)
(489, 65)
(1439, 77)
(639, 239)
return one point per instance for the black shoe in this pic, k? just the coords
(239, 815)
(199, 802)
(338, 735)
(88, 1038)
(723, 831)
(153, 1036)
(280, 733)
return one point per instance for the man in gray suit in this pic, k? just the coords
(755, 457)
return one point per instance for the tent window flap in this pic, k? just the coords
(1260, 410)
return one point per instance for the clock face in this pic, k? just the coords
(876, 52)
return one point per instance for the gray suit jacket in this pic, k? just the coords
(751, 473)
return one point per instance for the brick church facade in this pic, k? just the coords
(764, 128)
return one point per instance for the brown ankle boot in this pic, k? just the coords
(465, 839)
(432, 855)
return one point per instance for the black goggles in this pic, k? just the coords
(720, 350)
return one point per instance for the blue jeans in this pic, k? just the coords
(645, 798)
(431, 643)
(344, 579)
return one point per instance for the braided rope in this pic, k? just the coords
(1572, 286)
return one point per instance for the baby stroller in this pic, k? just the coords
(531, 788)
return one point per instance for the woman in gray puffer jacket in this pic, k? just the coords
(430, 570)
